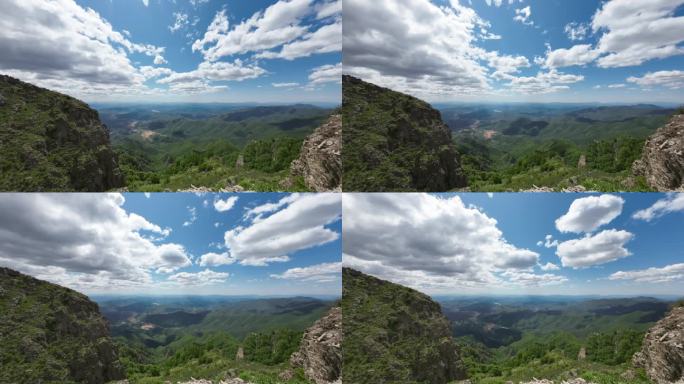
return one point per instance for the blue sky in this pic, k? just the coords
(270, 244)
(477, 243)
(268, 51)
(615, 51)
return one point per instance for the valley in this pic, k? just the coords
(559, 338)
(178, 338)
(518, 146)
(214, 146)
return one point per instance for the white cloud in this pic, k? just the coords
(652, 275)
(548, 242)
(220, 71)
(181, 20)
(414, 46)
(576, 31)
(68, 48)
(328, 9)
(318, 273)
(328, 73)
(549, 267)
(613, 86)
(225, 205)
(147, 195)
(279, 25)
(528, 279)
(667, 79)
(594, 249)
(636, 31)
(589, 213)
(671, 203)
(327, 38)
(206, 277)
(159, 60)
(543, 82)
(84, 241)
(523, 15)
(581, 54)
(146, 2)
(424, 240)
(284, 85)
(193, 216)
(301, 224)
(212, 259)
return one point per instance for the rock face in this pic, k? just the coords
(320, 353)
(320, 159)
(394, 334)
(662, 162)
(51, 334)
(52, 142)
(395, 142)
(662, 352)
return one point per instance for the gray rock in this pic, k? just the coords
(320, 159)
(662, 161)
(662, 351)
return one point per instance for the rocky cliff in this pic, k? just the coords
(662, 351)
(51, 334)
(662, 161)
(320, 353)
(320, 159)
(52, 142)
(394, 334)
(395, 142)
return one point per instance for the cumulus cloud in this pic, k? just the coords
(193, 216)
(594, 249)
(426, 240)
(589, 213)
(67, 47)
(523, 15)
(279, 25)
(549, 267)
(300, 224)
(219, 71)
(576, 31)
(206, 277)
(652, 275)
(225, 205)
(212, 259)
(577, 55)
(181, 20)
(548, 242)
(318, 273)
(638, 31)
(84, 241)
(328, 73)
(667, 79)
(671, 203)
(327, 38)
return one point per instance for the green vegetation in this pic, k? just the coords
(393, 334)
(51, 334)
(250, 147)
(394, 142)
(557, 356)
(554, 163)
(211, 339)
(52, 142)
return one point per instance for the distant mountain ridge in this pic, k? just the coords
(52, 334)
(52, 142)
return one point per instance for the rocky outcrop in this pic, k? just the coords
(662, 351)
(320, 159)
(662, 161)
(395, 142)
(52, 334)
(52, 142)
(320, 352)
(394, 334)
